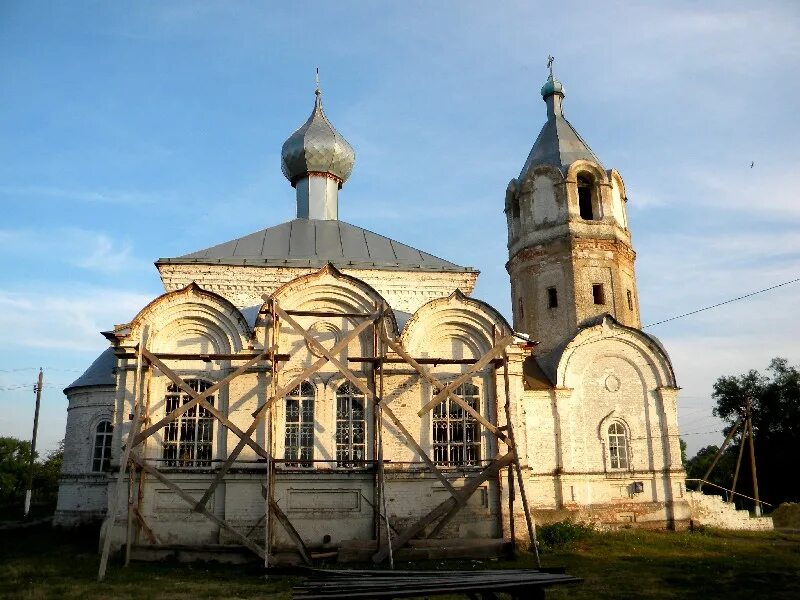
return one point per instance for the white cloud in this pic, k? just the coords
(65, 316)
(90, 250)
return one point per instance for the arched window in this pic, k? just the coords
(618, 446)
(187, 439)
(351, 428)
(456, 434)
(101, 456)
(586, 195)
(299, 432)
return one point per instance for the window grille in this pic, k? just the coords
(101, 457)
(456, 434)
(187, 439)
(299, 434)
(350, 427)
(618, 446)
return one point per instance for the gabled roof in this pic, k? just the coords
(100, 372)
(315, 243)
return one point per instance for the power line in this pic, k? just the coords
(718, 304)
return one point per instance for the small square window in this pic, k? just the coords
(630, 300)
(552, 298)
(598, 294)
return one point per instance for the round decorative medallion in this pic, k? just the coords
(612, 383)
(326, 334)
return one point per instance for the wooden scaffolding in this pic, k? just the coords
(134, 466)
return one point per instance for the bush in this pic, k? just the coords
(563, 532)
(787, 515)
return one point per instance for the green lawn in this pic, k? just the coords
(42, 563)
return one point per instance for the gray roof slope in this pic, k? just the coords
(100, 372)
(314, 243)
(559, 145)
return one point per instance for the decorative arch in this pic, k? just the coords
(176, 317)
(608, 329)
(583, 165)
(331, 290)
(457, 318)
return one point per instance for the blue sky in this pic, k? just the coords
(131, 131)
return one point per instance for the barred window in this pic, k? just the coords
(299, 437)
(187, 439)
(618, 446)
(101, 457)
(351, 426)
(456, 434)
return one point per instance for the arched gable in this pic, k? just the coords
(608, 338)
(526, 184)
(331, 290)
(457, 326)
(192, 320)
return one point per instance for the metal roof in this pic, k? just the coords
(317, 147)
(100, 372)
(315, 243)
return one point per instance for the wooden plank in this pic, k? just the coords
(438, 386)
(287, 525)
(497, 349)
(469, 488)
(192, 502)
(184, 387)
(210, 357)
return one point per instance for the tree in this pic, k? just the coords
(15, 460)
(775, 399)
(15, 456)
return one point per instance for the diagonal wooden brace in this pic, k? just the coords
(431, 465)
(196, 397)
(314, 343)
(496, 350)
(438, 386)
(192, 502)
(259, 413)
(442, 510)
(202, 401)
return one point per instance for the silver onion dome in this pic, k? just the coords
(316, 147)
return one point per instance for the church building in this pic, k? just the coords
(315, 383)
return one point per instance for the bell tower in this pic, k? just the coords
(569, 247)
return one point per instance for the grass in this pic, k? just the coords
(42, 563)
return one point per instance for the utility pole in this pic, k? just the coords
(38, 389)
(753, 456)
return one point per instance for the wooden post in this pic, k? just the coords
(753, 455)
(269, 434)
(117, 494)
(381, 466)
(512, 528)
(739, 461)
(520, 481)
(29, 489)
(719, 453)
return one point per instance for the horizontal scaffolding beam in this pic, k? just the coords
(423, 361)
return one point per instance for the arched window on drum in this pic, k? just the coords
(456, 433)
(101, 455)
(351, 427)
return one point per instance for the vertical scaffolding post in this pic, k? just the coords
(381, 466)
(520, 481)
(134, 430)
